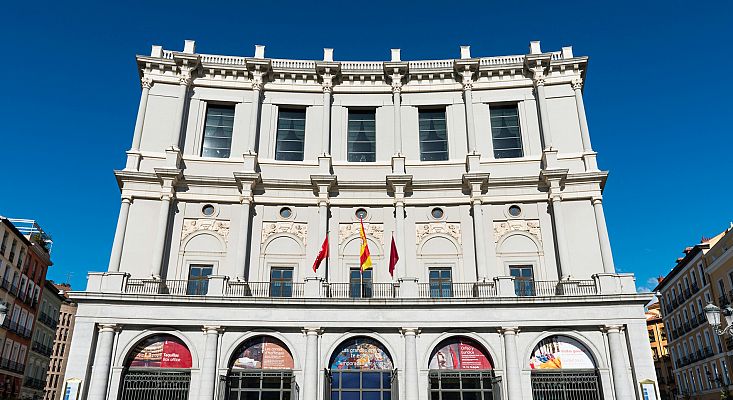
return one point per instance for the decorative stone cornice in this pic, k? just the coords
(466, 69)
(537, 66)
(328, 72)
(476, 182)
(246, 182)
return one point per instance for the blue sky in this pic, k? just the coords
(657, 97)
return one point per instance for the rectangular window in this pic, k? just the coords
(218, 131)
(361, 143)
(433, 135)
(290, 135)
(360, 283)
(198, 279)
(523, 279)
(441, 282)
(281, 282)
(505, 133)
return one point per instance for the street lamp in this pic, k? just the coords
(712, 313)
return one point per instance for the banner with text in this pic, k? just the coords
(161, 352)
(459, 353)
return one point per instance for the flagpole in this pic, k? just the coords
(328, 259)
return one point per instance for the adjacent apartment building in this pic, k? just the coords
(24, 261)
(660, 352)
(701, 366)
(473, 177)
(61, 345)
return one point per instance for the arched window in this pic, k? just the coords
(562, 366)
(261, 369)
(361, 369)
(461, 369)
(158, 367)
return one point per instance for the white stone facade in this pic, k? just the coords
(541, 209)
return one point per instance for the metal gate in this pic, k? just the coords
(566, 385)
(155, 385)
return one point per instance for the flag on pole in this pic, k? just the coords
(365, 260)
(393, 257)
(321, 254)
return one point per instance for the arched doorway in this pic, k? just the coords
(261, 369)
(563, 368)
(157, 368)
(361, 369)
(461, 369)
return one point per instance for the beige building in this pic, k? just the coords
(660, 352)
(61, 345)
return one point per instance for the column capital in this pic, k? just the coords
(509, 330)
(596, 200)
(146, 82)
(212, 329)
(109, 328)
(466, 68)
(410, 331)
(536, 66)
(126, 198)
(246, 181)
(257, 81)
(577, 83)
(476, 182)
(312, 331)
(612, 328)
(186, 77)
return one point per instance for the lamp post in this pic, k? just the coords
(713, 312)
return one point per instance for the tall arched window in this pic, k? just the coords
(261, 369)
(461, 369)
(563, 368)
(158, 367)
(361, 369)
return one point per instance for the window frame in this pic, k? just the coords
(221, 105)
(523, 285)
(519, 137)
(280, 111)
(440, 287)
(198, 285)
(354, 111)
(433, 109)
(283, 289)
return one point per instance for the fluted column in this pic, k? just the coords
(513, 374)
(159, 245)
(470, 125)
(603, 238)
(621, 384)
(396, 101)
(116, 256)
(411, 386)
(539, 84)
(251, 137)
(146, 83)
(185, 80)
(102, 361)
(327, 86)
(310, 373)
(208, 366)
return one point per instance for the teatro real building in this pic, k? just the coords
(480, 169)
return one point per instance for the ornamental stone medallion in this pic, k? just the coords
(190, 226)
(297, 229)
(532, 227)
(422, 231)
(374, 230)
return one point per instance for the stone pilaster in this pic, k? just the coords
(476, 183)
(310, 371)
(398, 185)
(246, 182)
(168, 178)
(621, 385)
(133, 159)
(589, 156)
(99, 380)
(208, 365)
(513, 372)
(411, 381)
(603, 238)
(116, 256)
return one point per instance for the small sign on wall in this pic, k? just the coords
(72, 387)
(648, 390)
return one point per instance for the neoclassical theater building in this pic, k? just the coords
(479, 168)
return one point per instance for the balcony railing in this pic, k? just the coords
(34, 383)
(264, 289)
(197, 287)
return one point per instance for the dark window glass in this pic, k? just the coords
(198, 279)
(433, 135)
(218, 131)
(360, 283)
(281, 282)
(505, 133)
(290, 135)
(361, 146)
(361, 384)
(523, 279)
(441, 282)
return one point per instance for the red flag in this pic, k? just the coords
(321, 254)
(393, 257)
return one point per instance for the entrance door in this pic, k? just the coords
(566, 385)
(155, 384)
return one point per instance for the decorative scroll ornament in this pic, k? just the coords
(146, 82)
(532, 227)
(577, 83)
(190, 226)
(422, 231)
(374, 230)
(299, 230)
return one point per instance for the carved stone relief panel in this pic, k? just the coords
(297, 229)
(190, 226)
(532, 227)
(426, 229)
(374, 230)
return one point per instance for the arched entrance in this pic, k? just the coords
(261, 369)
(157, 368)
(461, 369)
(563, 369)
(361, 369)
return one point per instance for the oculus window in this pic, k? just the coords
(218, 131)
(433, 135)
(290, 135)
(505, 133)
(361, 145)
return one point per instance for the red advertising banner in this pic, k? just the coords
(161, 352)
(263, 353)
(459, 353)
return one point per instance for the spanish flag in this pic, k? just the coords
(365, 259)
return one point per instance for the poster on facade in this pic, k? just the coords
(71, 390)
(161, 352)
(648, 390)
(459, 353)
(560, 352)
(361, 354)
(263, 353)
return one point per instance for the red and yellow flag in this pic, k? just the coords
(365, 259)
